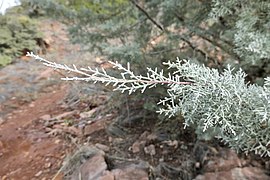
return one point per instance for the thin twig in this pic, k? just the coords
(147, 15)
(122, 159)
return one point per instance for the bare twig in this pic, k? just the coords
(147, 15)
(206, 35)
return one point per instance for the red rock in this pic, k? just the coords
(131, 172)
(229, 161)
(102, 147)
(93, 168)
(137, 146)
(107, 175)
(215, 176)
(251, 173)
(94, 127)
(246, 173)
(88, 113)
(73, 130)
(229, 167)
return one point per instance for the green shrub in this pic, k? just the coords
(5, 60)
(17, 33)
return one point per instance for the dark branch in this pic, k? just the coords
(206, 35)
(147, 15)
(200, 51)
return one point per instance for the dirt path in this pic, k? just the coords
(29, 91)
(26, 149)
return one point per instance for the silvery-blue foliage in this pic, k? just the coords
(216, 104)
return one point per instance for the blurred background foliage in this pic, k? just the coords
(146, 33)
(18, 34)
(214, 32)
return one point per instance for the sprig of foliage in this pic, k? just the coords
(129, 81)
(216, 104)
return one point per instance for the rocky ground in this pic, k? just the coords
(51, 129)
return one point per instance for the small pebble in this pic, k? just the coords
(197, 165)
(38, 174)
(48, 165)
(102, 147)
